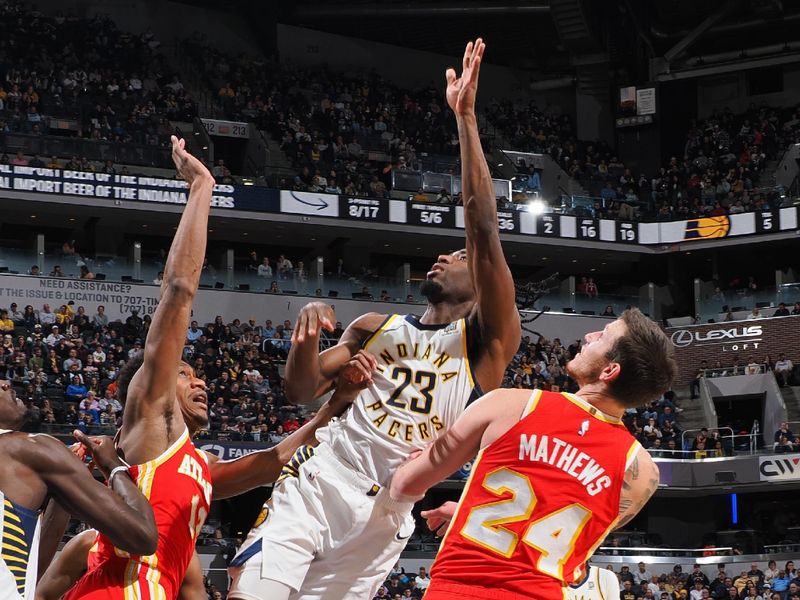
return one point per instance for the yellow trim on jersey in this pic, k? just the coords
(532, 403)
(595, 412)
(632, 452)
(378, 331)
(467, 366)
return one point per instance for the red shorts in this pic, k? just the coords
(447, 590)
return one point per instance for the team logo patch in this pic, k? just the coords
(373, 491)
(584, 428)
(707, 228)
(262, 516)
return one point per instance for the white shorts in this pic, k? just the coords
(329, 533)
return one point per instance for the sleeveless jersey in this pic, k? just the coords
(423, 383)
(540, 499)
(178, 486)
(19, 549)
(599, 584)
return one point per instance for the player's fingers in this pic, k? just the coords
(370, 360)
(476, 69)
(442, 529)
(357, 373)
(363, 359)
(300, 328)
(450, 76)
(83, 439)
(467, 55)
(476, 50)
(313, 322)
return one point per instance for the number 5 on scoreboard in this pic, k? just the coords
(554, 535)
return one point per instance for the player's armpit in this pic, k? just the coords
(68, 567)
(640, 483)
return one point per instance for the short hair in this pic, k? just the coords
(126, 375)
(646, 358)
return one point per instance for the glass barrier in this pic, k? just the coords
(117, 268)
(736, 305)
(609, 305)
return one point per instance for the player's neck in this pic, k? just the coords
(597, 396)
(441, 313)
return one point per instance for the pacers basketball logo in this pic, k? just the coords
(707, 227)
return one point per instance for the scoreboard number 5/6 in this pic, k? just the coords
(553, 535)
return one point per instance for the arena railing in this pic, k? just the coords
(732, 442)
(663, 551)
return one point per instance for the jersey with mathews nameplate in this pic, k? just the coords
(423, 383)
(540, 499)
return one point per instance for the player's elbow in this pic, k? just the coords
(143, 540)
(179, 290)
(143, 536)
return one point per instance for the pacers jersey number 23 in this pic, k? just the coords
(423, 383)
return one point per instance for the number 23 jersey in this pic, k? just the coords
(423, 382)
(540, 499)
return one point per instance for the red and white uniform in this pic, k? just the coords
(178, 485)
(540, 499)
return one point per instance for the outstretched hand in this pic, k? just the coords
(438, 519)
(101, 448)
(461, 91)
(189, 167)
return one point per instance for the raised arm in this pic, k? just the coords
(234, 477)
(120, 511)
(152, 389)
(309, 373)
(480, 424)
(494, 287)
(638, 486)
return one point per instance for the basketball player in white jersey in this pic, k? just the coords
(38, 469)
(333, 532)
(599, 584)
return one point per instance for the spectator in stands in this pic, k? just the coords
(100, 319)
(264, 269)
(796, 309)
(755, 314)
(781, 311)
(783, 370)
(752, 367)
(784, 431)
(641, 576)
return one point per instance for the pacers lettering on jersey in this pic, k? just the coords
(410, 432)
(193, 469)
(563, 455)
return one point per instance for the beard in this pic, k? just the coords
(584, 372)
(432, 291)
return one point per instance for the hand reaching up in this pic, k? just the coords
(461, 91)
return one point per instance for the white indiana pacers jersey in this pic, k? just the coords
(422, 384)
(19, 549)
(599, 584)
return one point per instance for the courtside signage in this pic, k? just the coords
(780, 467)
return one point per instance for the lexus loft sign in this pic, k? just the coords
(733, 338)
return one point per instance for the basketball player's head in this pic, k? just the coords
(631, 360)
(12, 409)
(449, 280)
(190, 391)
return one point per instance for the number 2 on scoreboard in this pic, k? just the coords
(553, 535)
